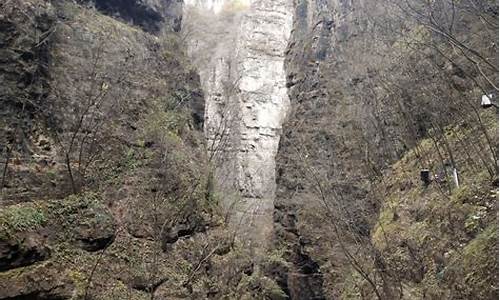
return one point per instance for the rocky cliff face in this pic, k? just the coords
(106, 186)
(341, 137)
(91, 104)
(53, 60)
(151, 15)
(326, 140)
(246, 97)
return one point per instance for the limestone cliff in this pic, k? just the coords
(107, 191)
(362, 95)
(241, 64)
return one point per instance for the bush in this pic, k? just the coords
(21, 218)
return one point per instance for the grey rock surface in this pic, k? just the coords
(240, 55)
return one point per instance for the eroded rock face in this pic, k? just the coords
(24, 251)
(150, 15)
(328, 138)
(243, 76)
(46, 50)
(96, 231)
(319, 137)
(48, 281)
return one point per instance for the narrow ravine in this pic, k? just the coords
(240, 52)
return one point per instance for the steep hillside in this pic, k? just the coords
(369, 81)
(440, 241)
(107, 191)
(101, 135)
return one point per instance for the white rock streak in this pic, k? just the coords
(244, 81)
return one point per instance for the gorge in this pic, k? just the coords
(248, 149)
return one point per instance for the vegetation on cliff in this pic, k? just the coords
(387, 172)
(107, 191)
(382, 90)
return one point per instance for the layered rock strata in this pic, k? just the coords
(243, 77)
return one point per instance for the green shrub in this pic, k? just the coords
(474, 272)
(21, 218)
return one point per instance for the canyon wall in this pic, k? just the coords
(83, 87)
(331, 140)
(355, 110)
(240, 56)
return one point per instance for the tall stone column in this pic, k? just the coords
(246, 101)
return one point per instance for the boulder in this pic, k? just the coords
(43, 282)
(95, 232)
(15, 253)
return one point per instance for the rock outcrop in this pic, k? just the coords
(122, 137)
(347, 126)
(91, 102)
(322, 144)
(246, 100)
(151, 15)
(21, 251)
